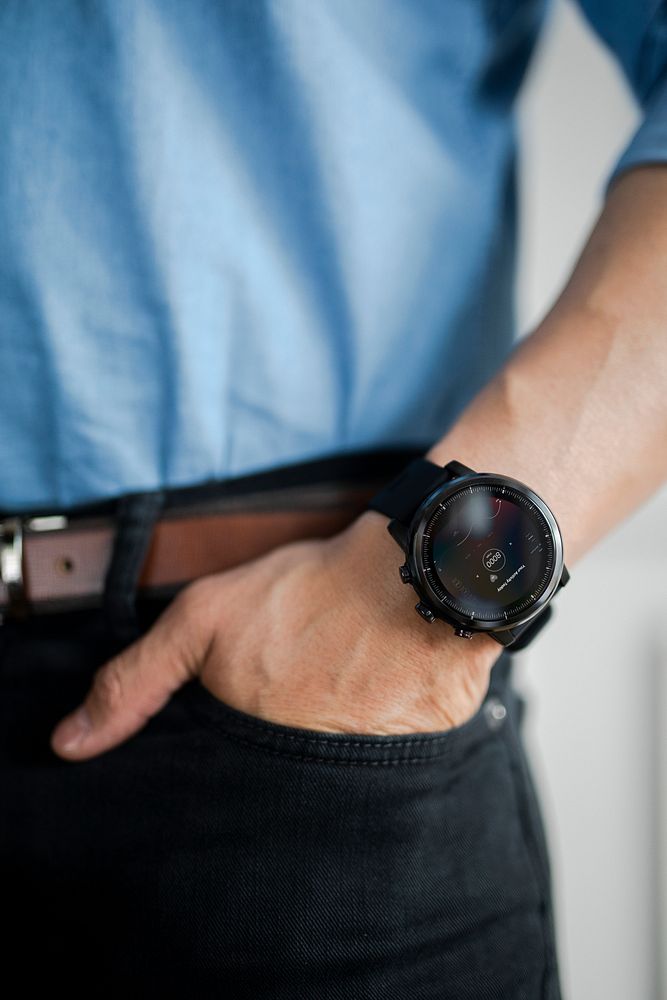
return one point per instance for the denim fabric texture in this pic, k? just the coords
(215, 854)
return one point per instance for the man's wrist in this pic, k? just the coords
(400, 497)
(382, 557)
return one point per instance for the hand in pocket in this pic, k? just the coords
(317, 634)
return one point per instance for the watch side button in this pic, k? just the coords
(424, 610)
(463, 633)
(406, 575)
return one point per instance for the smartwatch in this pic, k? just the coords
(483, 552)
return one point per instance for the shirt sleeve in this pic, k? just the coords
(636, 33)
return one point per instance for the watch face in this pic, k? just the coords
(488, 552)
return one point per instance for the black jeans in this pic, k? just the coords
(218, 855)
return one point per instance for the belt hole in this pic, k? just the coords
(65, 565)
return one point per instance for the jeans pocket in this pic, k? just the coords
(363, 749)
(354, 864)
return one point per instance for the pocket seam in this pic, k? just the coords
(326, 740)
(389, 761)
(533, 851)
(204, 705)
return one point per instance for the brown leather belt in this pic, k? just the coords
(51, 562)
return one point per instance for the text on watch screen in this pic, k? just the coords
(491, 550)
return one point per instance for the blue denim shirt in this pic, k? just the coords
(240, 234)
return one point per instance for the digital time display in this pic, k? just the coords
(488, 552)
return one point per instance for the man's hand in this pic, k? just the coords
(318, 634)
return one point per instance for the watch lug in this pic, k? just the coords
(399, 533)
(456, 469)
(520, 637)
(505, 638)
(565, 576)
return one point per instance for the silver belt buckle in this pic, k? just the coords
(11, 565)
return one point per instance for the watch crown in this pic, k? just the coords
(425, 611)
(406, 575)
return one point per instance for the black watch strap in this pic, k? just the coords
(400, 498)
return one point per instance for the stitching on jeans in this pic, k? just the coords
(331, 760)
(328, 741)
(513, 755)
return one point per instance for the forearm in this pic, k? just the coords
(579, 410)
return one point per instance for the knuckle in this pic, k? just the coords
(108, 687)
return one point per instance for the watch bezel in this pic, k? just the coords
(421, 583)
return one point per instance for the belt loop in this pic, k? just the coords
(135, 517)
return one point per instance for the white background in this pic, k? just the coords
(596, 679)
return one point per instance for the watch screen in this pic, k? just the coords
(488, 552)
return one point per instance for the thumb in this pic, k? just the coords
(137, 683)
